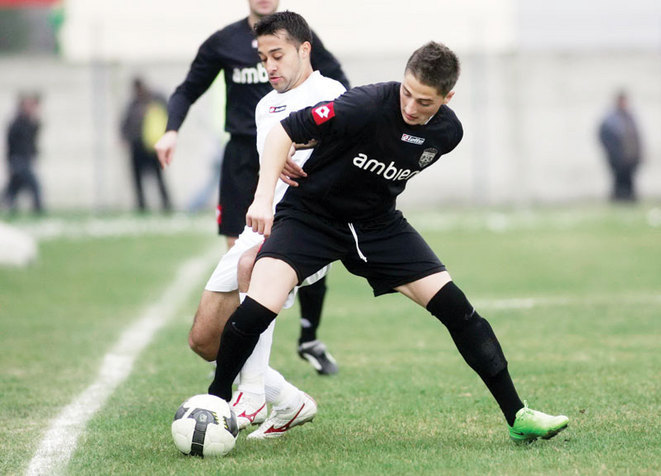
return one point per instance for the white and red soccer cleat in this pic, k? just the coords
(249, 409)
(280, 422)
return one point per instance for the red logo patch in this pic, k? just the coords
(323, 113)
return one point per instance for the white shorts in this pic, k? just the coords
(225, 279)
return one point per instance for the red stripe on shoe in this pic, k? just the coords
(286, 426)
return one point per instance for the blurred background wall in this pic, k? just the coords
(537, 78)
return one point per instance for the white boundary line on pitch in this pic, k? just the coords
(59, 442)
(531, 302)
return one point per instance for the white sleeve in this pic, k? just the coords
(260, 114)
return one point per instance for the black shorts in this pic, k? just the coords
(238, 181)
(387, 255)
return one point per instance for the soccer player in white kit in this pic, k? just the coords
(284, 46)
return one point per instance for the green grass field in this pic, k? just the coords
(573, 294)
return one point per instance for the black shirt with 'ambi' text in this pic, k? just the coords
(365, 154)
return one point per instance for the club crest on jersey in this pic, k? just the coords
(427, 157)
(323, 113)
(274, 109)
(413, 139)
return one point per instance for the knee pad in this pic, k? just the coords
(450, 306)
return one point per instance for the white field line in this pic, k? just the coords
(532, 302)
(104, 227)
(59, 442)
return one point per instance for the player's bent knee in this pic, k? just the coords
(203, 347)
(450, 306)
(251, 318)
(204, 340)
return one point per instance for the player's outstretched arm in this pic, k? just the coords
(165, 147)
(276, 151)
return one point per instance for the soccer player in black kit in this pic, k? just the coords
(371, 141)
(233, 50)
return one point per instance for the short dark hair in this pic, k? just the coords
(436, 65)
(297, 29)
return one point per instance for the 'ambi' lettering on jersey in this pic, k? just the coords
(251, 75)
(388, 172)
(276, 109)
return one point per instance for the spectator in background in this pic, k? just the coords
(22, 152)
(143, 123)
(619, 135)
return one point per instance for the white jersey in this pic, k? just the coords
(275, 106)
(271, 110)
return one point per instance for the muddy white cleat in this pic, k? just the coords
(280, 422)
(249, 409)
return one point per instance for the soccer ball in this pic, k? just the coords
(204, 425)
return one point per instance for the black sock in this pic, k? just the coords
(312, 300)
(237, 342)
(502, 389)
(478, 345)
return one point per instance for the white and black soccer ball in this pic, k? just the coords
(204, 425)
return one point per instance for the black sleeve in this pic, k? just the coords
(345, 116)
(458, 135)
(324, 61)
(203, 71)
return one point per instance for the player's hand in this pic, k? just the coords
(260, 216)
(291, 170)
(165, 148)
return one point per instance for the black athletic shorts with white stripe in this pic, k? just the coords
(387, 254)
(238, 181)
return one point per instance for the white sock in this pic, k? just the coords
(280, 393)
(252, 373)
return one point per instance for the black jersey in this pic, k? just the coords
(234, 50)
(366, 153)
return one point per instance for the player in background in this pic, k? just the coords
(233, 50)
(371, 141)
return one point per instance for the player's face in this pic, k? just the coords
(285, 64)
(418, 101)
(263, 7)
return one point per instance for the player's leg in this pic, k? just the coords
(259, 383)
(479, 346)
(212, 313)
(249, 400)
(311, 299)
(271, 281)
(219, 300)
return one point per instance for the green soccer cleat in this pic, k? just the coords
(531, 424)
